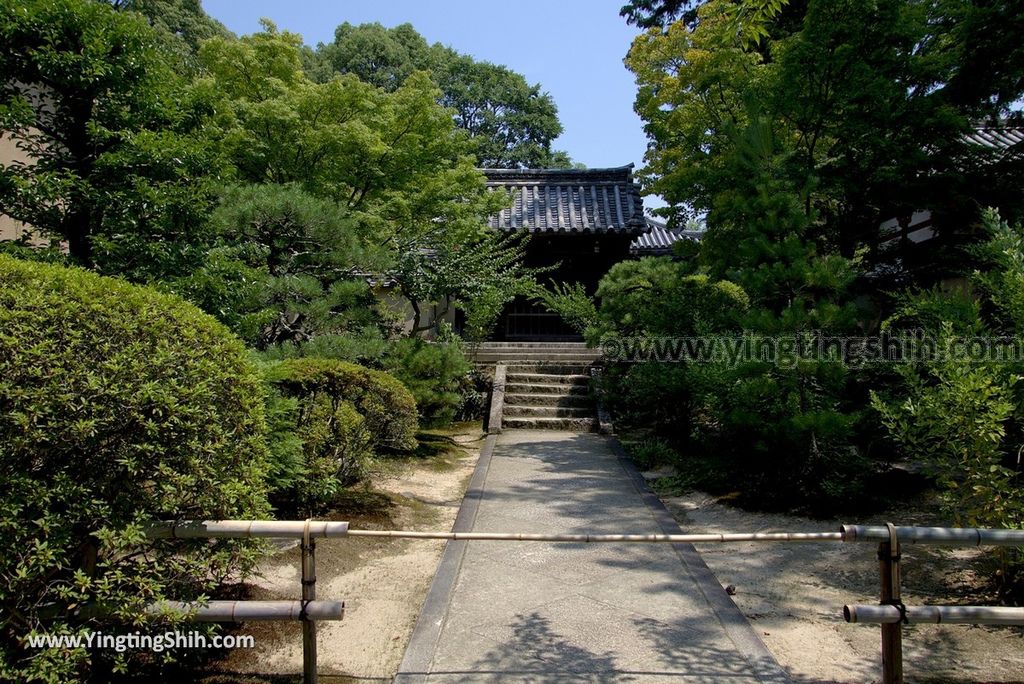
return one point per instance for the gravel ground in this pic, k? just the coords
(793, 594)
(383, 582)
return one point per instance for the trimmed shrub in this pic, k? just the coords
(118, 405)
(385, 403)
(340, 413)
(337, 448)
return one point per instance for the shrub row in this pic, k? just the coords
(121, 405)
(118, 405)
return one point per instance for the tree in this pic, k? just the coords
(181, 24)
(511, 122)
(408, 203)
(659, 13)
(866, 100)
(118, 168)
(789, 422)
(478, 276)
(958, 412)
(378, 55)
(285, 268)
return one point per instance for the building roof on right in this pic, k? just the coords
(660, 239)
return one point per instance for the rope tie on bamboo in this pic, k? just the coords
(303, 612)
(895, 553)
(898, 605)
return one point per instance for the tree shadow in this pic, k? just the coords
(534, 647)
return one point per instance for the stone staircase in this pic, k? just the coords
(547, 384)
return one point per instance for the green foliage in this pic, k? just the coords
(287, 462)
(433, 372)
(652, 453)
(659, 13)
(474, 393)
(511, 123)
(866, 103)
(120, 405)
(655, 395)
(781, 429)
(181, 24)
(120, 168)
(962, 417)
(341, 414)
(479, 275)
(337, 447)
(1003, 280)
(389, 408)
(655, 296)
(954, 418)
(571, 302)
(655, 299)
(365, 347)
(285, 270)
(393, 162)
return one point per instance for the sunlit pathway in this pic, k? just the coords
(542, 612)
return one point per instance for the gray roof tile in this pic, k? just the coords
(659, 239)
(569, 200)
(996, 137)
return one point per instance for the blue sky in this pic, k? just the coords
(573, 48)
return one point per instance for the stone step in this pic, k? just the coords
(530, 423)
(547, 369)
(569, 360)
(536, 358)
(524, 378)
(557, 389)
(546, 411)
(529, 345)
(548, 399)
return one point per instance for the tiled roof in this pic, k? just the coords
(659, 239)
(997, 137)
(569, 200)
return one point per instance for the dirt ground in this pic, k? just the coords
(793, 594)
(383, 582)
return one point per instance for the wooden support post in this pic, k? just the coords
(892, 633)
(308, 594)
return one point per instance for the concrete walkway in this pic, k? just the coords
(542, 612)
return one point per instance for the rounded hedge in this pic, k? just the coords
(386, 405)
(118, 405)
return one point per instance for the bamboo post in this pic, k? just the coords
(494, 416)
(892, 633)
(308, 595)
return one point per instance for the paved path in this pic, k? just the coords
(541, 612)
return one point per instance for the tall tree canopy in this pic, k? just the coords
(511, 122)
(344, 178)
(650, 13)
(119, 170)
(865, 102)
(181, 24)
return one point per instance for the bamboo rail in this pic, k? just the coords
(286, 529)
(245, 611)
(246, 529)
(322, 529)
(949, 615)
(891, 614)
(939, 536)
